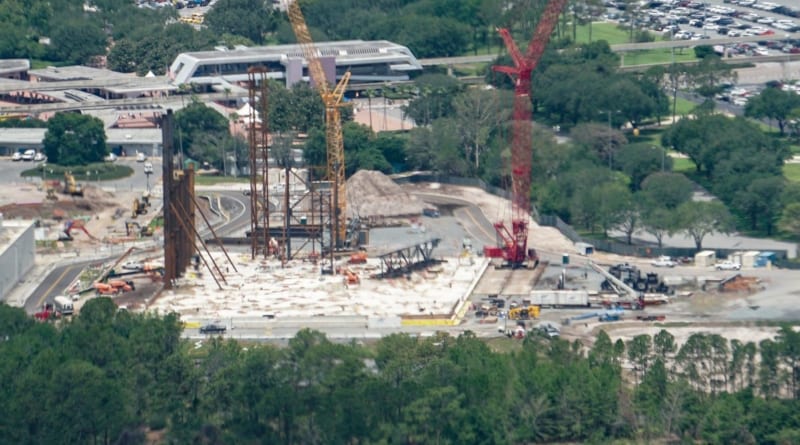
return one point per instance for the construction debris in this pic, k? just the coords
(372, 195)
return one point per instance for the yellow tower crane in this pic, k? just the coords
(333, 120)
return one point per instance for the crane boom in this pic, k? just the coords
(333, 120)
(513, 241)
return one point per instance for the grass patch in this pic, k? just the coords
(684, 106)
(652, 56)
(601, 31)
(100, 171)
(683, 165)
(792, 172)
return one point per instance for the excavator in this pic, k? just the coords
(71, 225)
(140, 207)
(133, 227)
(70, 186)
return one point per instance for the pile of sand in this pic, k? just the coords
(371, 194)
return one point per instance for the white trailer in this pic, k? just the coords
(63, 305)
(560, 298)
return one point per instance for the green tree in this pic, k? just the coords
(760, 203)
(667, 190)
(77, 41)
(74, 139)
(774, 104)
(701, 218)
(200, 131)
(436, 93)
(478, 114)
(640, 160)
(789, 221)
(252, 19)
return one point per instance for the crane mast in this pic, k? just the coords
(513, 241)
(333, 120)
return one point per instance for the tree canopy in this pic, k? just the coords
(110, 376)
(74, 139)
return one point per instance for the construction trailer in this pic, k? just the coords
(705, 258)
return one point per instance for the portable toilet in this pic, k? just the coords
(705, 258)
(584, 248)
(737, 257)
(749, 259)
(765, 259)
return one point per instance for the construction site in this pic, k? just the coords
(363, 250)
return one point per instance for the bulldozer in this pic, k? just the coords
(70, 186)
(524, 313)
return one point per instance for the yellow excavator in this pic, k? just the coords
(524, 313)
(140, 207)
(70, 186)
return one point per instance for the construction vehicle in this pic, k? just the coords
(513, 241)
(358, 258)
(122, 285)
(333, 120)
(73, 224)
(105, 289)
(63, 305)
(524, 312)
(71, 187)
(139, 208)
(133, 227)
(47, 313)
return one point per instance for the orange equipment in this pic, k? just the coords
(122, 286)
(72, 224)
(105, 289)
(333, 120)
(358, 258)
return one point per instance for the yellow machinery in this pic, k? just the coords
(333, 121)
(70, 186)
(524, 313)
(139, 208)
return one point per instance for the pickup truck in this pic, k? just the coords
(664, 261)
(728, 265)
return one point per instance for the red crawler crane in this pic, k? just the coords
(513, 243)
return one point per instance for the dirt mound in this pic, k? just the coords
(371, 194)
(94, 200)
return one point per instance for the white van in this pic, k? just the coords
(63, 305)
(29, 155)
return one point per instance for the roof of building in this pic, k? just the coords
(12, 66)
(76, 72)
(340, 49)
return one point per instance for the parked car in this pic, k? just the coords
(17, 156)
(664, 261)
(28, 155)
(140, 157)
(110, 158)
(133, 265)
(728, 265)
(39, 157)
(213, 328)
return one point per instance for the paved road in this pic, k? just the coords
(55, 283)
